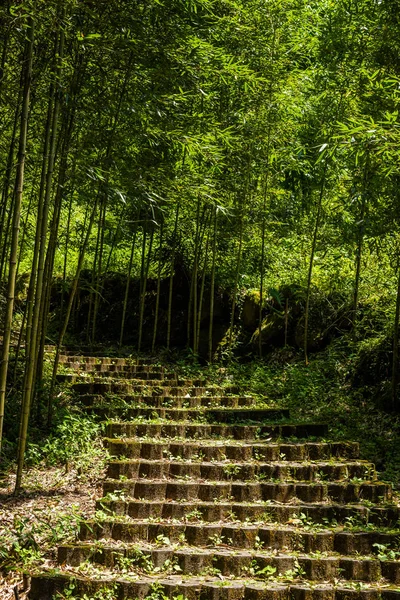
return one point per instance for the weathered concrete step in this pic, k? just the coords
(248, 491)
(151, 377)
(67, 357)
(237, 432)
(151, 387)
(258, 415)
(196, 414)
(235, 563)
(246, 471)
(117, 368)
(212, 450)
(325, 513)
(171, 401)
(44, 587)
(242, 535)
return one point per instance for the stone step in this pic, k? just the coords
(241, 491)
(67, 357)
(242, 535)
(258, 415)
(196, 414)
(114, 369)
(95, 400)
(257, 512)
(139, 376)
(150, 388)
(238, 432)
(233, 563)
(215, 450)
(246, 471)
(207, 588)
(214, 495)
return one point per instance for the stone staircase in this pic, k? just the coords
(211, 495)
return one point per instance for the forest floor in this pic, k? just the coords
(52, 503)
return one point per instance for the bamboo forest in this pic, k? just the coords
(199, 242)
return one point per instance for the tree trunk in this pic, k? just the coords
(171, 278)
(212, 290)
(160, 264)
(311, 263)
(144, 288)
(19, 186)
(128, 281)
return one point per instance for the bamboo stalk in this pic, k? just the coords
(19, 186)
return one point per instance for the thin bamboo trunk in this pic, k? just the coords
(311, 263)
(360, 243)
(115, 239)
(19, 186)
(286, 320)
(7, 182)
(395, 363)
(192, 307)
(144, 289)
(98, 287)
(93, 280)
(202, 287)
(66, 248)
(171, 277)
(212, 290)
(71, 300)
(235, 287)
(126, 296)
(160, 264)
(262, 266)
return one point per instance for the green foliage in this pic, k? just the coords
(75, 439)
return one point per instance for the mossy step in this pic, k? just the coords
(245, 471)
(67, 357)
(168, 401)
(238, 432)
(150, 387)
(195, 414)
(258, 415)
(237, 415)
(211, 450)
(248, 491)
(187, 511)
(232, 563)
(117, 368)
(242, 535)
(45, 586)
(139, 376)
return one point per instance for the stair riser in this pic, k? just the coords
(243, 472)
(160, 388)
(44, 589)
(212, 512)
(238, 536)
(173, 414)
(171, 401)
(241, 492)
(237, 432)
(246, 452)
(99, 360)
(117, 369)
(164, 378)
(239, 564)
